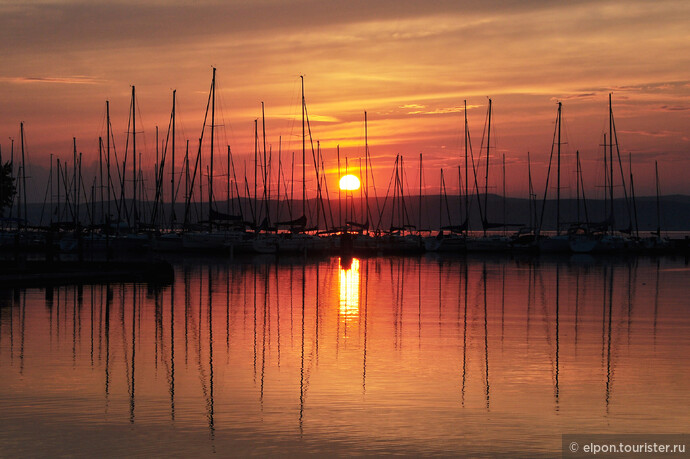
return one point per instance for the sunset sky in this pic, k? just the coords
(409, 64)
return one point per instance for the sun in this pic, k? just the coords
(349, 183)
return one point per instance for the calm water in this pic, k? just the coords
(415, 356)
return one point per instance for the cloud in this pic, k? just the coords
(78, 79)
(438, 111)
(581, 96)
(651, 133)
(674, 108)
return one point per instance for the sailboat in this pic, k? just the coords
(558, 243)
(456, 239)
(487, 242)
(603, 239)
(297, 240)
(206, 237)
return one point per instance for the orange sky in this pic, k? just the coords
(410, 65)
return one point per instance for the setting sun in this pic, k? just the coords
(349, 183)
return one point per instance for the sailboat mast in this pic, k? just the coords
(228, 184)
(74, 181)
(134, 159)
(486, 178)
(658, 206)
(51, 189)
(504, 194)
(100, 172)
(266, 193)
(304, 155)
(419, 228)
(213, 125)
(577, 183)
(632, 196)
(530, 194)
(107, 159)
(366, 166)
(340, 199)
(558, 175)
(611, 159)
(256, 158)
(172, 166)
(21, 126)
(467, 176)
(57, 209)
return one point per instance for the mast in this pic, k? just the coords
(172, 167)
(611, 159)
(186, 174)
(530, 195)
(419, 228)
(467, 192)
(213, 125)
(486, 178)
(606, 181)
(304, 155)
(632, 196)
(658, 206)
(366, 166)
(228, 185)
(74, 181)
(256, 146)
(23, 173)
(577, 183)
(134, 159)
(107, 160)
(11, 171)
(100, 172)
(581, 185)
(340, 200)
(51, 189)
(558, 175)
(266, 193)
(504, 194)
(57, 210)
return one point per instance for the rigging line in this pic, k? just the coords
(548, 175)
(198, 158)
(383, 207)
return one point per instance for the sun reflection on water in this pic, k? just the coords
(349, 289)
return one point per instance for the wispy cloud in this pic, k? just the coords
(659, 134)
(581, 96)
(77, 79)
(674, 108)
(437, 111)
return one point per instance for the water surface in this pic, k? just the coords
(432, 356)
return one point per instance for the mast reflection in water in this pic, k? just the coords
(362, 356)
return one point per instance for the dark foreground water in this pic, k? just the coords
(414, 356)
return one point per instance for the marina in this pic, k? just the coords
(340, 229)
